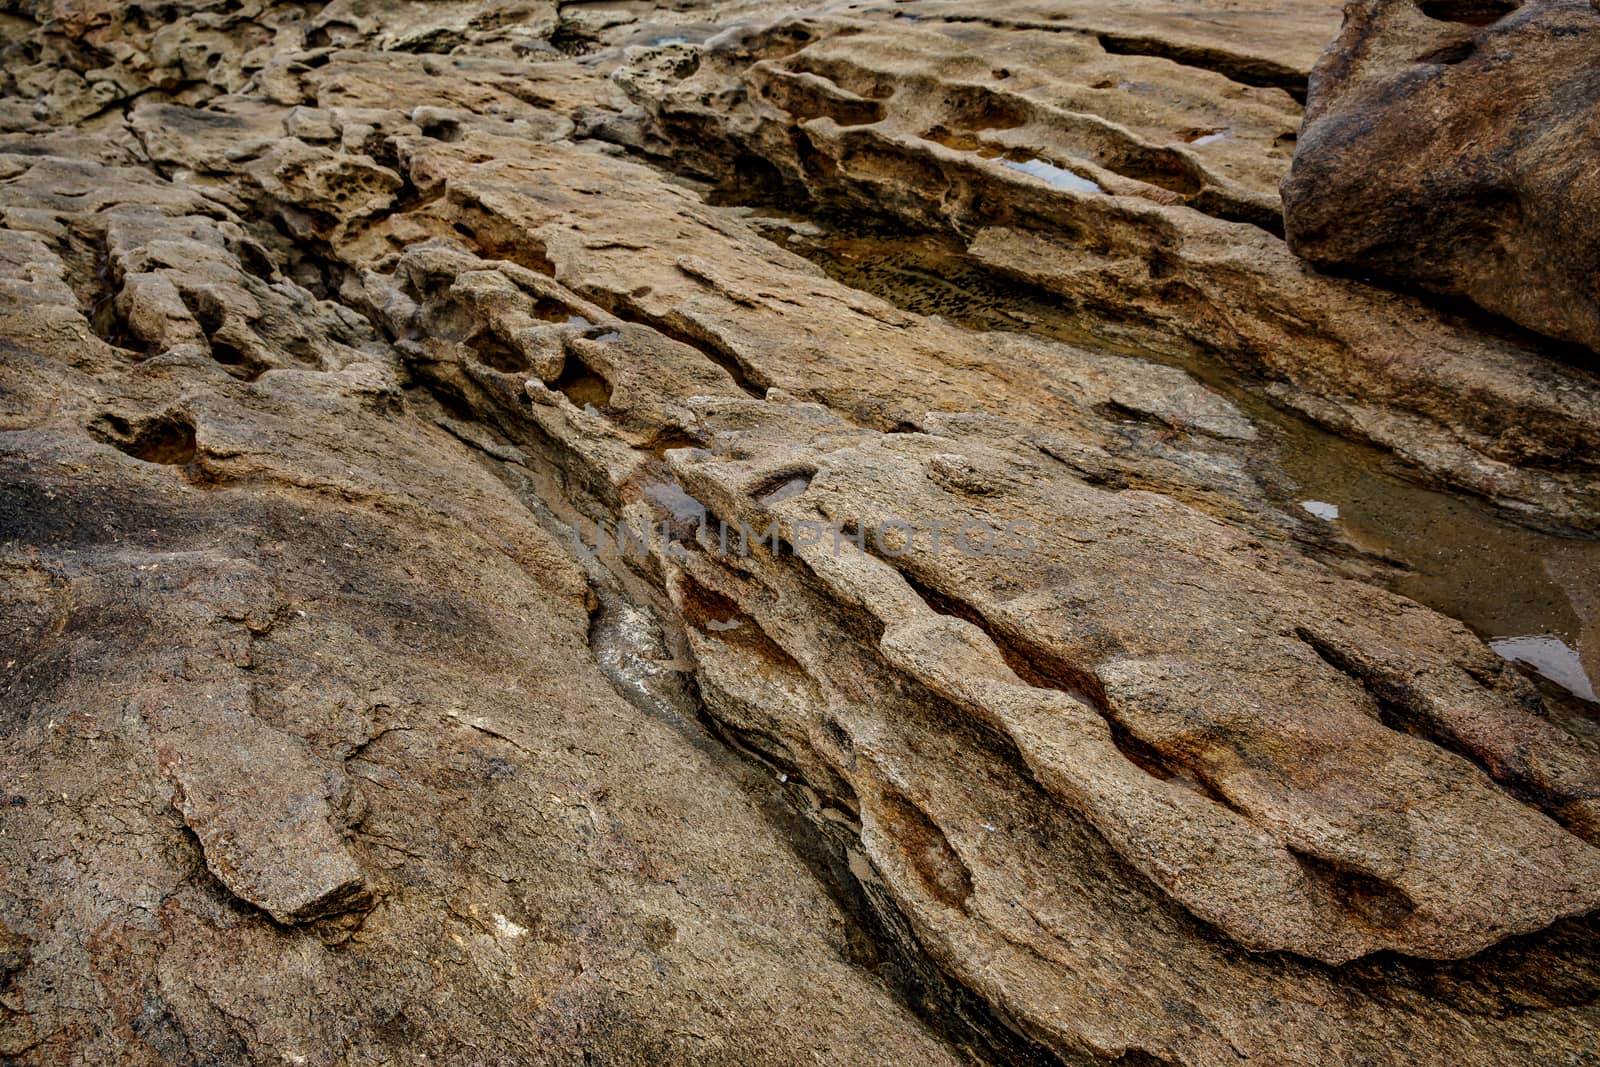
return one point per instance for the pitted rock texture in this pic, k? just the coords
(332, 734)
(1137, 183)
(1439, 153)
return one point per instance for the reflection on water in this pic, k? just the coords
(1551, 657)
(1060, 177)
(787, 491)
(1322, 509)
(677, 503)
(1461, 557)
(1016, 159)
(1501, 579)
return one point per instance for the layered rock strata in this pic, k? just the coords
(937, 695)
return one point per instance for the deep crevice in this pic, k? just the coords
(623, 307)
(1246, 70)
(878, 938)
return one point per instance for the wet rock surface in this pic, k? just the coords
(1437, 153)
(470, 590)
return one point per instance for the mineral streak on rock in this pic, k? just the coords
(330, 338)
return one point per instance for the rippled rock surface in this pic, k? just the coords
(472, 588)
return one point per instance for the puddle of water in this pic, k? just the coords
(1014, 159)
(1553, 658)
(1503, 580)
(787, 491)
(1060, 177)
(677, 503)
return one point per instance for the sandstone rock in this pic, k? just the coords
(1438, 154)
(314, 410)
(221, 581)
(260, 810)
(1137, 184)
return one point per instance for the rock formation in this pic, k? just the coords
(1440, 153)
(470, 592)
(1134, 180)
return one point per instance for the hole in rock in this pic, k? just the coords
(928, 849)
(582, 385)
(235, 361)
(257, 261)
(1450, 54)
(705, 608)
(804, 100)
(1372, 900)
(444, 129)
(1036, 666)
(1263, 73)
(708, 346)
(1167, 170)
(870, 84)
(710, 612)
(571, 40)
(493, 352)
(785, 486)
(670, 439)
(492, 236)
(976, 108)
(1470, 12)
(963, 141)
(167, 439)
(753, 180)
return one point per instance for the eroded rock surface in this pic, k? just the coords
(328, 359)
(1136, 183)
(1439, 153)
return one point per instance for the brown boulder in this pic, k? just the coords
(1451, 145)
